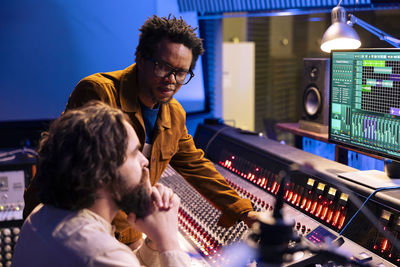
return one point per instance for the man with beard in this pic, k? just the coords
(89, 167)
(165, 57)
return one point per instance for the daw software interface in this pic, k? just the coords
(365, 100)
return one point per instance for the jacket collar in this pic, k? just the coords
(129, 97)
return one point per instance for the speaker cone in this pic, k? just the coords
(312, 102)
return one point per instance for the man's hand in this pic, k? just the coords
(162, 196)
(161, 225)
(250, 217)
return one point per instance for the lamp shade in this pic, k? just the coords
(339, 35)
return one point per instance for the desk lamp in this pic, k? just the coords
(341, 35)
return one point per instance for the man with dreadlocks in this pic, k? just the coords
(165, 58)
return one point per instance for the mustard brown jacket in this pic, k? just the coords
(172, 145)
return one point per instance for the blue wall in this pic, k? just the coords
(47, 46)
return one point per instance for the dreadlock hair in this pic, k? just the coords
(155, 29)
(79, 154)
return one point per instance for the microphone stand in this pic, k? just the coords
(275, 232)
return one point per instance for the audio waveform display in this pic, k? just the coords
(365, 100)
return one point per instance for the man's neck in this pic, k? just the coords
(146, 100)
(104, 206)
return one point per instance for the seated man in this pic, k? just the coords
(89, 167)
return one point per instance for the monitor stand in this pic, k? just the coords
(392, 168)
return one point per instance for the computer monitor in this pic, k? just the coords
(364, 103)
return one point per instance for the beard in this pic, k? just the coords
(136, 201)
(151, 93)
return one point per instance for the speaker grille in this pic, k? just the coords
(316, 90)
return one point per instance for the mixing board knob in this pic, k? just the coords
(16, 230)
(6, 232)
(8, 239)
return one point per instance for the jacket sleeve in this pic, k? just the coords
(202, 175)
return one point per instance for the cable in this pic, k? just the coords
(20, 150)
(11, 155)
(365, 202)
(368, 214)
(213, 137)
(4, 159)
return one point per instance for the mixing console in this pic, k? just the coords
(318, 200)
(12, 185)
(198, 218)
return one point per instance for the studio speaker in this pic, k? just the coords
(315, 101)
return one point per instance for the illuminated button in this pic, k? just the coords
(8, 256)
(7, 248)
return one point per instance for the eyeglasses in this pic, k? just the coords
(162, 70)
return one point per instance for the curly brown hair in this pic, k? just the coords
(155, 29)
(80, 153)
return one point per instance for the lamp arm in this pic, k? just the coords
(380, 34)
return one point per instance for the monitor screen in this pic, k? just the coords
(365, 101)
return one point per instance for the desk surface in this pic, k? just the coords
(293, 127)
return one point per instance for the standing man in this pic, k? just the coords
(165, 57)
(89, 168)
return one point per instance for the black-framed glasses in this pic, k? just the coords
(163, 69)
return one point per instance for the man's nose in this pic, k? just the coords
(171, 77)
